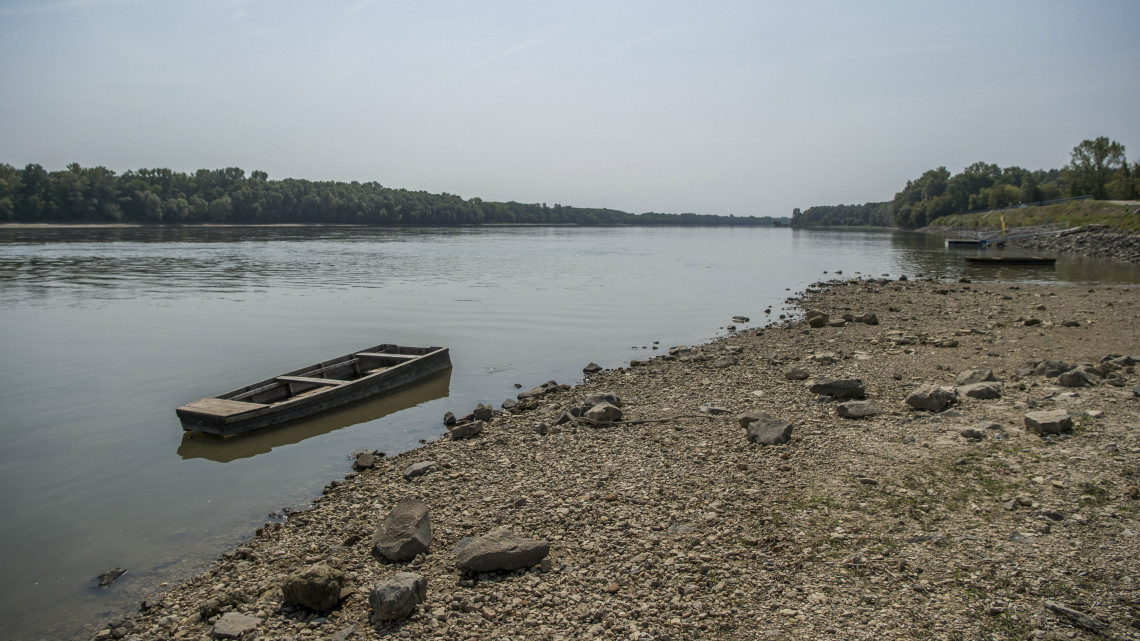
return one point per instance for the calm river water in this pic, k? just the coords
(106, 331)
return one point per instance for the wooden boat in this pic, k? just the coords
(1011, 260)
(313, 389)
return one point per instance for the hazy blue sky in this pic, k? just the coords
(712, 107)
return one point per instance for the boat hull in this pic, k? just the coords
(314, 389)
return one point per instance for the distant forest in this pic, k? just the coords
(228, 196)
(1097, 168)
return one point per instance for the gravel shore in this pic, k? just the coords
(671, 524)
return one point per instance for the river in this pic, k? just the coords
(107, 330)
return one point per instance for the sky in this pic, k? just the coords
(716, 107)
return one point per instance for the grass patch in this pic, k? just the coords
(1070, 214)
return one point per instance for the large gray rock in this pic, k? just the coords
(1048, 422)
(1080, 376)
(484, 412)
(499, 549)
(971, 376)
(405, 532)
(858, 409)
(987, 390)
(316, 587)
(765, 430)
(603, 413)
(932, 398)
(396, 596)
(816, 318)
(840, 388)
(1051, 368)
(233, 625)
(465, 430)
(541, 390)
(419, 469)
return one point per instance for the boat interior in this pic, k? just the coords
(336, 372)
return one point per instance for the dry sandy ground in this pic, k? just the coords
(894, 526)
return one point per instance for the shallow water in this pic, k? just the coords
(106, 331)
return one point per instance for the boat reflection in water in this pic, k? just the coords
(224, 449)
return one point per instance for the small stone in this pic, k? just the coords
(839, 388)
(858, 409)
(933, 398)
(604, 413)
(510, 404)
(816, 318)
(316, 587)
(419, 469)
(233, 625)
(1048, 422)
(796, 374)
(465, 430)
(592, 368)
(449, 419)
(396, 597)
(984, 391)
(110, 576)
(364, 461)
(980, 375)
(973, 434)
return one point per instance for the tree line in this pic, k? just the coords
(1098, 168)
(227, 196)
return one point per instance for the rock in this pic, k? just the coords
(839, 388)
(824, 358)
(592, 368)
(1076, 616)
(465, 430)
(765, 430)
(316, 587)
(1070, 322)
(870, 319)
(500, 549)
(510, 404)
(602, 397)
(796, 374)
(971, 376)
(725, 361)
(483, 412)
(396, 596)
(986, 390)
(1048, 422)
(364, 461)
(740, 319)
(973, 434)
(712, 410)
(1051, 368)
(449, 419)
(604, 413)
(541, 390)
(233, 625)
(405, 532)
(858, 409)
(110, 576)
(1080, 376)
(932, 398)
(419, 469)
(816, 318)
(1136, 390)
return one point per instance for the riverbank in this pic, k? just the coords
(951, 524)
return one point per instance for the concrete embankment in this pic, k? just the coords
(876, 520)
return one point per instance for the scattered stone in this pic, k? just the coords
(870, 318)
(985, 391)
(1076, 616)
(592, 368)
(405, 532)
(449, 419)
(365, 461)
(712, 410)
(1080, 376)
(1049, 368)
(839, 388)
(858, 409)
(465, 430)
(972, 434)
(601, 397)
(1070, 322)
(604, 413)
(316, 587)
(765, 430)
(499, 549)
(233, 625)
(800, 374)
(110, 576)
(1048, 422)
(725, 361)
(816, 319)
(932, 398)
(541, 390)
(971, 376)
(419, 469)
(510, 404)
(396, 597)
(740, 319)
(483, 412)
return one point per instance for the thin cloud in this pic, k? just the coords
(33, 8)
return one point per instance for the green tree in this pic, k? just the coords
(1093, 164)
